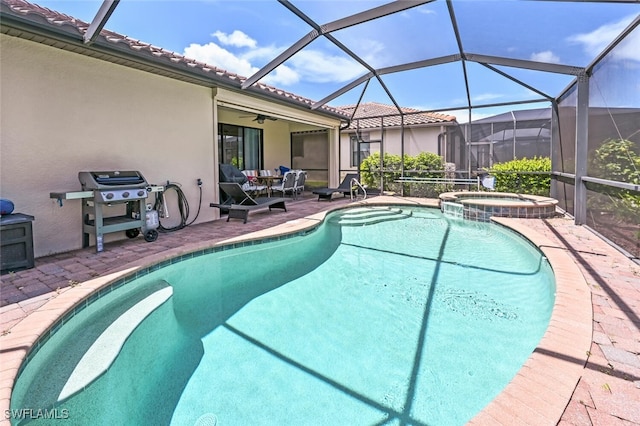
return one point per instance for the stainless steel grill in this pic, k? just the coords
(104, 189)
(114, 187)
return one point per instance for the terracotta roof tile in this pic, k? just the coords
(368, 115)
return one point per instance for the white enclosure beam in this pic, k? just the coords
(521, 63)
(99, 21)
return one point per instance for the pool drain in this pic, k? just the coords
(207, 419)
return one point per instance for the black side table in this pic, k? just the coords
(16, 241)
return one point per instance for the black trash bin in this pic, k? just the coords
(16, 241)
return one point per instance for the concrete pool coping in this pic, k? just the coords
(538, 394)
(491, 198)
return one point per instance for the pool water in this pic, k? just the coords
(380, 316)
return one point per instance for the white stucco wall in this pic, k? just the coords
(417, 139)
(62, 112)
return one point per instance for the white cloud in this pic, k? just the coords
(595, 42)
(546, 56)
(629, 48)
(426, 11)
(264, 54)
(375, 51)
(282, 76)
(236, 39)
(485, 97)
(219, 57)
(242, 53)
(318, 67)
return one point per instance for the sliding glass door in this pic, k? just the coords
(240, 146)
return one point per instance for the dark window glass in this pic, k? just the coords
(240, 146)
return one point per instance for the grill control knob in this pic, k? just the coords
(140, 193)
(125, 195)
(109, 195)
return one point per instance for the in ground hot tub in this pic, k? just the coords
(481, 206)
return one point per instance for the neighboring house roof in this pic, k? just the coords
(32, 22)
(368, 116)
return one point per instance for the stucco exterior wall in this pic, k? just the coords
(62, 113)
(416, 140)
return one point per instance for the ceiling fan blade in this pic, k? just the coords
(259, 117)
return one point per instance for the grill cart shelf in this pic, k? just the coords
(95, 223)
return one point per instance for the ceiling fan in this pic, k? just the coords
(260, 118)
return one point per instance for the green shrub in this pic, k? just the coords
(618, 160)
(536, 179)
(370, 172)
(428, 162)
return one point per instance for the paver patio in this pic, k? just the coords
(608, 392)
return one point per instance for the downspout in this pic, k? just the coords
(442, 140)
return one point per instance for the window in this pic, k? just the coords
(240, 146)
(364, 148)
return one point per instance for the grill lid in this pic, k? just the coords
(111, 180)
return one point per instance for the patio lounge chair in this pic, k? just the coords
(344, 187)
(230, 173)
(243, 203)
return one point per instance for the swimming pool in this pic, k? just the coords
(349, 329)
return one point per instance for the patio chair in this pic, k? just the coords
(298, 186)
(243, 203)
(287, 185)
(230, 173)
(344, 187)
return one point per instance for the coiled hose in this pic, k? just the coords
(183, 207)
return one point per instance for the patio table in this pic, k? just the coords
(268, 181)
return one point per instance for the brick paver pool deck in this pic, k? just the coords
(602, 385)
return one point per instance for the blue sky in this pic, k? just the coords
(241, 36)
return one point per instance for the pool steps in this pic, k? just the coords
(104, 350)
(369, 216)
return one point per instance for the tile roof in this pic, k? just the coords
(73, 29)
(367, 115)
